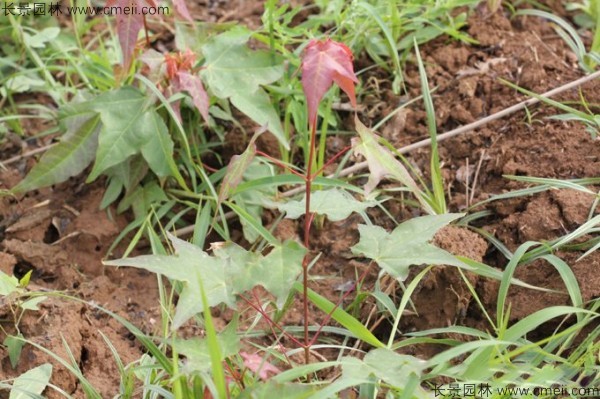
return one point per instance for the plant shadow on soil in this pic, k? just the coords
(64, 239)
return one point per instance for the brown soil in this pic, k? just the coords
(60, 234)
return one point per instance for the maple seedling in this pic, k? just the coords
(323, 63)
(130, 23)
(174, 73)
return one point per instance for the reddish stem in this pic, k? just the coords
(337, 305)
(308, 218)
(260, 310)
(209, 168)
(332, 160)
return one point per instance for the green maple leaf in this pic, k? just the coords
(336, 204)
(407, 245)
(231, 271)
(235, 72)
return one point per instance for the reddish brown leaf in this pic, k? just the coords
(128, 28)
(193, 85)
(323, 63)
(259, 366)
(182, 10)
(129, 25)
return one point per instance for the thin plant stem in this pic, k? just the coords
(307, 223)
(260, 310)
(332, 160)
(339, 303)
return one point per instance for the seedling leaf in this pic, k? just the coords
(68, 158)
(197, 352)
(8, 284)
(193, 85)
(14, 346)
(407, 245)
(32, 383)
(382, 164)
(336, 204)
(234, 71)
(232, 270)
(323, 63)
(129, 26)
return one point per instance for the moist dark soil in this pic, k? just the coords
(61, 235)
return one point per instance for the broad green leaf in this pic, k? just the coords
(158, 151)
(32, 304)
(122, 133)
(188, 266)
(14, 346)
(383, 164)
(39, 39)
(234, 71)
(279, 269)
(68, 158)
(400, 372)
(407, 245)
(142, 198)
(22, 84)
(197, 353)
(336, 204)
(231, 271)
(8, 284)
(32, 383)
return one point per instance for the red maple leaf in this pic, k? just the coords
(179, 68)
(130, 23)
(323, 63)
(259, 366)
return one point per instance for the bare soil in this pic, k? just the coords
(61, 235)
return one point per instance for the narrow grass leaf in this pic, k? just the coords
(383, 164)
(342, 317)
(437, 181)
(533, 321)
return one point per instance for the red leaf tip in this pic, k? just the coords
(323, 63)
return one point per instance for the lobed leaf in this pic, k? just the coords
(231, 271)
(336, 204)
(235, 72)
(32, 383)
(407, 245)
